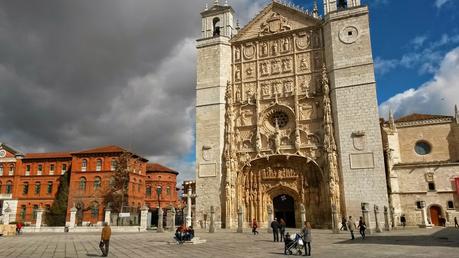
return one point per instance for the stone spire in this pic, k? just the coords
(216, 2)
(207, 7)
(315, 10)
(391, 120)
(226, 2)
(456, 114)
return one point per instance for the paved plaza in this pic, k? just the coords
(437, 242)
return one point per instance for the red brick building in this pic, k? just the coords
(30, 182)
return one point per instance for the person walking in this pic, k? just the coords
(351, 227)
(18, 228)
(403, 220)
(105, 239)
(343, 224)
(254, 227)
(275, 226)
(362, 227)
(282, 226)
(307, 238)
(456, 225)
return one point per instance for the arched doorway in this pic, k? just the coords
(435, 213)
(284, 208)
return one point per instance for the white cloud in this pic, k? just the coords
(383, 66)
(440, 3)
(437, 96)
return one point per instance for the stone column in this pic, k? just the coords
(107, 217)
(160, 220)
(376, 210)
(188, 208)
(39, 219)
(239, 220)
(386, 219)
(143, 217)
(335, 226)
(6, 216)
(270, 218)
(73, 212)
(424, 223)
(149, 219)
(212, 225)
(302, 215)
(366, 216)
(172, 227)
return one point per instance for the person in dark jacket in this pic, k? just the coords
(307, 238)
(343, 223)
(362, 227)
(254, 227)
(275, 226)
(282, 226)
(403, 220)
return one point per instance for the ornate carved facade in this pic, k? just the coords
(278, 127)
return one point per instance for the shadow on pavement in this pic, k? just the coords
(447, 237)
(93, 255)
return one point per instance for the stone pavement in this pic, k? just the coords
(437, 242)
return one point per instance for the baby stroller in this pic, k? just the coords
(293, 244)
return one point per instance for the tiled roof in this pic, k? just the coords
(155, 167)
(103, 149)
(419, 117)
(48, 155)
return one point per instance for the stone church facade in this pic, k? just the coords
(286, 117)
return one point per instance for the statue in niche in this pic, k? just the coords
(303, 64)
(306, 112)
(258, 143)
(285, 45)
(275, 67)
(237, 54)
(265, 89)
(237, 74)
(264, 49)
(245, 117)
(297, 140)
(277, 139)
(264, 69)
(250, 95)
(237, 138)
(288, 86)
(285, 65)
(305, 87)
(274, 47)
(238, 95)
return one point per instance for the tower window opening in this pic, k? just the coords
(216, 23)
(342, 4)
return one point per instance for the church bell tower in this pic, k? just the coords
(213, 73)
(350, 68)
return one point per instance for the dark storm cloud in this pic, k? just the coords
(78, 74)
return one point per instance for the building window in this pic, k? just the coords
(83, 184)
(113, 165)
(22, 213)
(418, 205)
(450, 205)
(40, 169)
(34, 211)
(168, 190)
(97, 183)
(49, 190)
(138, 187)
(51, 169)
(431, 186)
(37, 188)
(95, 210)
(64, 168)
(84, 165)
(148, 191)
(422, 148)
(99, 165)
(11, 172)
(1, 170)
(27, 172)
(9, 187)
(25, 188)
(0, 190)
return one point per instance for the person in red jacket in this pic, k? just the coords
(254, 227)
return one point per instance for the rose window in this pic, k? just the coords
(280, 118)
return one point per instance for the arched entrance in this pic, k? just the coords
(284, 185)
(435, 213)
(284, 208)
